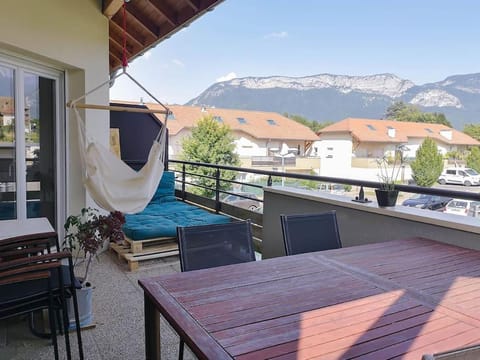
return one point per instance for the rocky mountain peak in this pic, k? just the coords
(328, 97)
(381, 84)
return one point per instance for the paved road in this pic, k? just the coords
(475, 189)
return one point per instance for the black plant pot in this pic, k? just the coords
(386, 197)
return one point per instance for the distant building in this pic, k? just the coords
(256, 133)
(264, 139)
(369, 138)
(7, 111)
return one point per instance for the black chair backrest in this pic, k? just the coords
(208, 246)
(304, 233)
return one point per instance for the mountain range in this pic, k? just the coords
(327, 97)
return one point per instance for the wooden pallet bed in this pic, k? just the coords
(151, 234)
(135, 251)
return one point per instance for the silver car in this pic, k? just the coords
(462, 207)
(244, 200)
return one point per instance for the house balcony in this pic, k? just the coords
(118, 300)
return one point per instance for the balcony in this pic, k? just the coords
(118, 300)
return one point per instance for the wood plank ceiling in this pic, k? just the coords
(148, 22)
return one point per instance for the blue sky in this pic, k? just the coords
(419, 40)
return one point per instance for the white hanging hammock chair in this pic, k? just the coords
(112, 184)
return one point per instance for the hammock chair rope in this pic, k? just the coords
(111, 183)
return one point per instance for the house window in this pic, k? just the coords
(330, 148)
(241, 120)
(29, 134)
(371, 127)
(271, 122)
(171, 116)
(429, 130)
(218, 118)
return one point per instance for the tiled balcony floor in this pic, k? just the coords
(118, 315)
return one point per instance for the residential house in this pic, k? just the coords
(53, 51)
(261, 138)
(352, 141)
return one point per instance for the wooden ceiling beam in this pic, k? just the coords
(111, 7)
(116, 55)
(118, 48)
(165, 11)
(194, 4)
(143, 22)
(130, 36)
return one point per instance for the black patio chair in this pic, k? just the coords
(24, 291)
(27, 256)
(208, 246)
(303, 233)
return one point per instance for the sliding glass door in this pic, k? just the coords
(29, 118)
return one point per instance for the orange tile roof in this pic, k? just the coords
(7, 105)
(370, 130)
(256, 122)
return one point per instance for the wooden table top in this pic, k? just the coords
(399, 299)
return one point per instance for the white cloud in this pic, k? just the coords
(229, 76)
(178, 63)
(278, 35)
(147, 55)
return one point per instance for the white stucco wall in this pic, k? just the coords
(246, 146)
(175, 143)
(336, 154)
(71, 36)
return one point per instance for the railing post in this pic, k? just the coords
(183, 182)
(269, 180)
(217, 191)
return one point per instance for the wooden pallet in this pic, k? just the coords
(134, 251)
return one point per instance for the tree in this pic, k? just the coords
(473, 159)
(401, 111)
(210, 142)
(312, 124)
(472, 130)
(428, 164)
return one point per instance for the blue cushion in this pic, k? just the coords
(164, 213)
(162, 220)
(166, 189)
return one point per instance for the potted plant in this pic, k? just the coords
(85, 235)
(389, 171)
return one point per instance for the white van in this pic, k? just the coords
(460, 176)
(462, 207)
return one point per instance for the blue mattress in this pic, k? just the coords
(164, 213)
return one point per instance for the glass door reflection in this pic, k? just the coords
(8, 195)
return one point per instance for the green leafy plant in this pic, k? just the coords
(86, 233)
(390, 168)
(210, 142)
(428, 164)
(473, 159)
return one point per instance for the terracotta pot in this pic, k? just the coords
(386, 197)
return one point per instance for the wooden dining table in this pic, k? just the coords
(399, 299)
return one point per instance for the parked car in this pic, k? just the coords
(461, 176)
(338, 189)
(462, 207)
(424, 201)
(244, 200)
